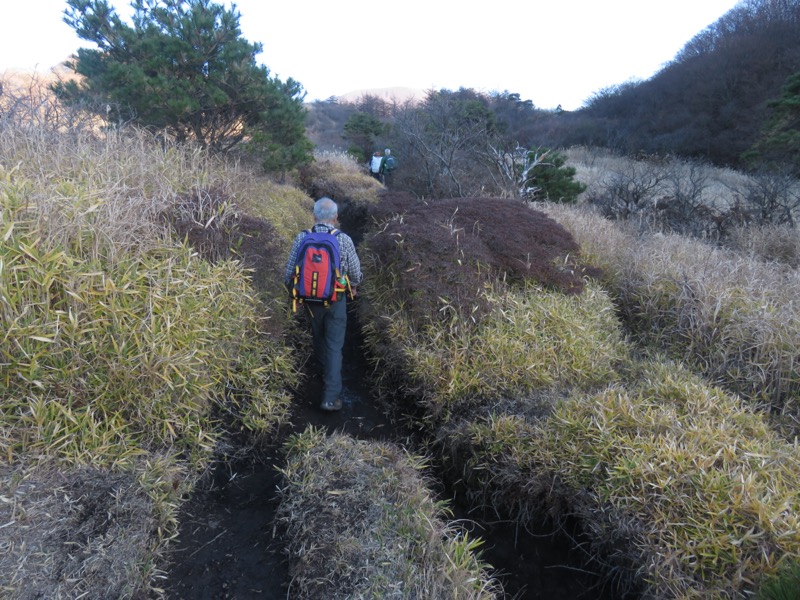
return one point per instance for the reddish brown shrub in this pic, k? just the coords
(451, 248)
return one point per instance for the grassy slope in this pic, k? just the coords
(683, 489)
(118, 346)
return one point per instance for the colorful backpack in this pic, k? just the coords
(317, 271)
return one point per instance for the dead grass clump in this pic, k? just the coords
(362, 524)
(338, 176)
(83, 533)
(442, 254)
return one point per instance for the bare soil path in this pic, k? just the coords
(227, 546)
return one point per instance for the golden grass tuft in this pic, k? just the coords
(362, 524)
(704, 490)
(716, 487)
(338, 176)
(532, 338)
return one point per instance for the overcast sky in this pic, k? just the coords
(549, 51)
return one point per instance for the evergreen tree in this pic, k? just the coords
(184, 68)
(555, 181)
(362, 130)
(780, 144)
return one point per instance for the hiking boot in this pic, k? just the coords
(332, 405)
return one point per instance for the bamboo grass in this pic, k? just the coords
(681, 487)
(711, 485)
(363, 524)
(106, 360)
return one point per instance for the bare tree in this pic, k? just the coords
(513, 169)
(683, 209)
(773, 198)
(631, 188)
(446, 139)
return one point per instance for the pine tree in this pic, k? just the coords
(184, 68)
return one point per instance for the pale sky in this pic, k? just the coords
(548, 51)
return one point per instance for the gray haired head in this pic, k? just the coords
(325, 210)
(387, 151)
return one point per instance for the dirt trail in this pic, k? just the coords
(226, 548)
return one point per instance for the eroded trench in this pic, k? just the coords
(228, 546)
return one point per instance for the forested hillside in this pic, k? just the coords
(713, 100)
(716, 100)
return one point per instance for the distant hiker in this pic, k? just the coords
(388, 167)
(312, 248)
(376, 166)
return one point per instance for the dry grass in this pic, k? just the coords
(770, 243)
(731, 316)
(84, 532)
(124, 355)
(337, 175)
(362, 524)
(596, 167)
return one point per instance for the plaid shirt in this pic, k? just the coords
(347, 250)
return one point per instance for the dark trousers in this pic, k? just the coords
(328, 325)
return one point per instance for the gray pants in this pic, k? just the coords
(328, 326)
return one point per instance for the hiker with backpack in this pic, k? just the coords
(388, 166)
(322, 269)
(376, 166)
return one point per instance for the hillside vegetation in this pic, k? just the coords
(541, 405)
(126, 358)
(602, 339)
(132, 360)
(145, 338)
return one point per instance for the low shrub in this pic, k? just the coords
(125, 357)
(437, 257)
